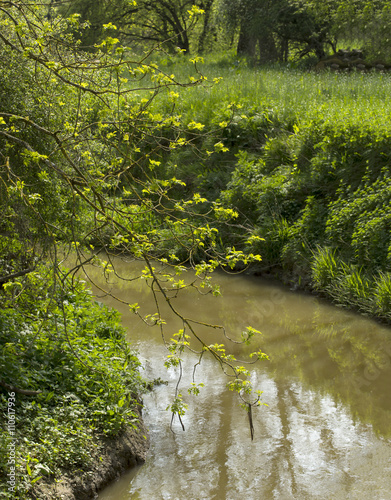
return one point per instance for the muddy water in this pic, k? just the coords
(326, 432)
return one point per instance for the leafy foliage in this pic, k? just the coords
(71, 355)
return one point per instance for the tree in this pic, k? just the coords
(80, 155)
(365, 22)
(255, 21)
(307, 27)
(206, 6)
(313, 26)
(143, 22)
(167, 22)
(268, 31)
(96, 15)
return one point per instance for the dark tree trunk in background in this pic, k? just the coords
(246, 43)
(207, 7)
(267, 48)
(183, 42)
(284, 50)
(318, 48)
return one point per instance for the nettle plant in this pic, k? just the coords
(80, 160)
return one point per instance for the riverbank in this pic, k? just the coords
(114, 457)
(70, 387)
(303, 162)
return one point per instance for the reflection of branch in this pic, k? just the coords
(250, 419)
(12, 388)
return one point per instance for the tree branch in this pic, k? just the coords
(12, 388)
(5, 279)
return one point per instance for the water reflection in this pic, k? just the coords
(325, 432)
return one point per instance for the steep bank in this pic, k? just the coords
(71, 383)
(115, 456)
(304, 162)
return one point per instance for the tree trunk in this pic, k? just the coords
(246, 43)
(284, 50)
(318, 48)
(207, 7)
(267, 48)
(183, 42)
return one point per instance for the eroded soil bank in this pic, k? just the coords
(113, 458)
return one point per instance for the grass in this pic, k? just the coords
(360, 98)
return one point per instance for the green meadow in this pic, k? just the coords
(307, 95)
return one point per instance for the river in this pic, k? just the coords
(325, 432)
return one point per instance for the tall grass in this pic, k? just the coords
(351, 286)
(361, 98)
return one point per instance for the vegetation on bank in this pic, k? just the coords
(304, 160)
(74, 380)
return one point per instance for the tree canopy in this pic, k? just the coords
(265, 30)
(171, 24)
(271, 31)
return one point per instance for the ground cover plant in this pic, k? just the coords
(82, 377)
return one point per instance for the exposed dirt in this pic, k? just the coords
(115, 456)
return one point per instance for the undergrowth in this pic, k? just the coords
(72, 352)
(304, 158)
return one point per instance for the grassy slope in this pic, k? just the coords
(307, 168)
